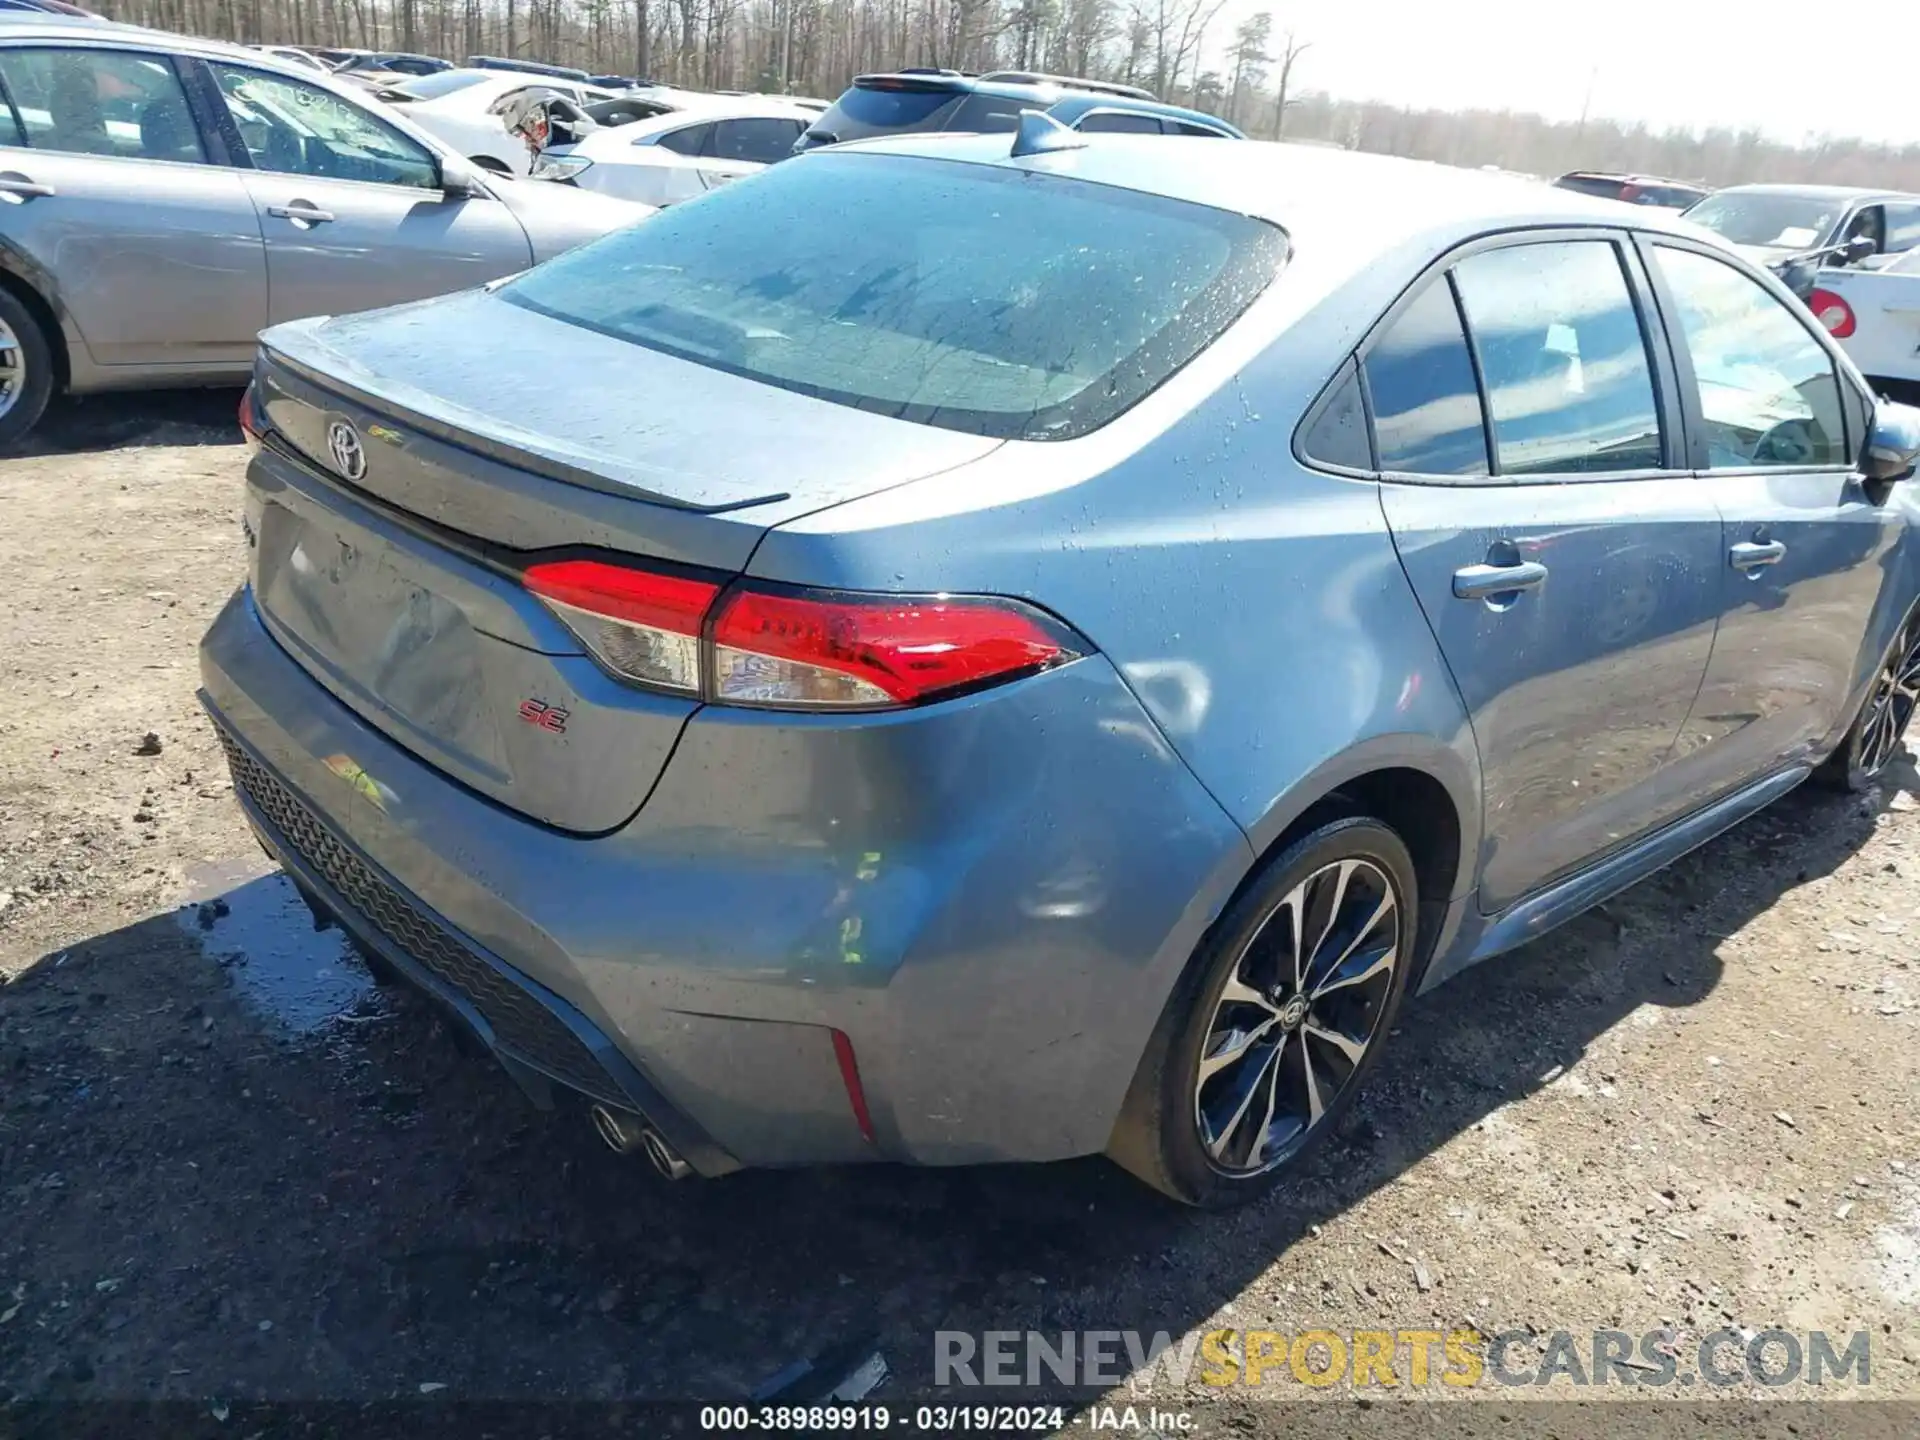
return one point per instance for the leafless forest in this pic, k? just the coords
(1258, 73)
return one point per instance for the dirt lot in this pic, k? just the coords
(1694, 1109)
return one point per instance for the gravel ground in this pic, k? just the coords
(231, 1171)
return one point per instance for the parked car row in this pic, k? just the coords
(662, 145)
(163, 199)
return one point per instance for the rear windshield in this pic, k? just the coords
(861, 112)
(1590, 185)
(995, 301)
(432, 87)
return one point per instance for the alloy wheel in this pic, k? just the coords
(1300, 1008)
(1896, 693)
(13, 368)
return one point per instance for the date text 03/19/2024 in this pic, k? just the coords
(928, 1419)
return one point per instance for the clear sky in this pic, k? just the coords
(1790, 69)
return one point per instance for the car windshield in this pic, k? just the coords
(864, 111)
(971, 297)
(1788, 222)
(432, 87)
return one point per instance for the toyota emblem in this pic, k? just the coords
(343, 444)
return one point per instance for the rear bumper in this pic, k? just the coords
(534, 1033)
(991, 898)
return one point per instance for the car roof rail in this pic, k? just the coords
(524, 67)
(1073, 82)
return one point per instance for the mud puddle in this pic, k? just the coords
(247, 915)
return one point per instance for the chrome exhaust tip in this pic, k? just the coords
(665, 1158)
(621, 1132)
(625, 1132)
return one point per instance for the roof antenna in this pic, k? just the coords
(1040, 133)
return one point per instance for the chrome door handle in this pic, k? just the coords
(1750, 554)
(1477, 582)
(300, 210)
(25, 189)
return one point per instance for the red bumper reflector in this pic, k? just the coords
(850, 1076)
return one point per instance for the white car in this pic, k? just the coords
(681, 154)
(295, 57)
(463, 108)
(1875, 315)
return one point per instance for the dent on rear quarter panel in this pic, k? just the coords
(1257, 609)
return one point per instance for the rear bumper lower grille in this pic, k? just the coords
(523, 1023)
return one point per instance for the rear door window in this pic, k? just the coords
(1562, 357)
(1181, 127)
(1426, 402)
(760, 140)
(101, 102)
(691, 140)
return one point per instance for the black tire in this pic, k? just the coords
(1159, 1137)
(27, 402)
(1874, 739)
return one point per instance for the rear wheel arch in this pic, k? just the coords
(44, 310)
(1427, 798)
(1424, 810)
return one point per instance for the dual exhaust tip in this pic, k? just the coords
(625, 1132)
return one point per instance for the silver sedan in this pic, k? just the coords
(164, 199)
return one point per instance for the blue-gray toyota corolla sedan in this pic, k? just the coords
(1004, 648)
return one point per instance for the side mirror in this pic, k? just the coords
(458, 180)
(1893, 444)
(1860, 247)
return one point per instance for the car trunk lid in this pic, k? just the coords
(388, 565)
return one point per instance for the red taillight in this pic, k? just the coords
(873, 650)
(641, 625)
(788, 649)
(1833, 312)
(253, 423)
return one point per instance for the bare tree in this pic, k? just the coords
(1290, 51)
(1250, 58)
